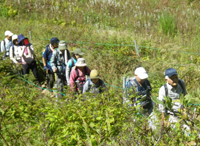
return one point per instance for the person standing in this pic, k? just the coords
(46, 61)
(6, 43)
(59, 61)
(14, 51)
(26, 53)
(141, 86)
(94, 84)
(71, 63)
(79, 75)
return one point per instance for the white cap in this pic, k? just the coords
(14, 37)
(8, 33)
(141, 73)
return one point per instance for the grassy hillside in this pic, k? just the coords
(167, 33)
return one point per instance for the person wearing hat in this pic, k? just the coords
(71, 63)
(26, 53)
(172, 89)
(46, 61)
(140, 85)
(78, 75)
(59, 61)
(94, 84)
(6, 43)
(14, 51)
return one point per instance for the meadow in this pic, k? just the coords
(167, 34)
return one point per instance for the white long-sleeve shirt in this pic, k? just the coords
(8, 44)
(14, 56)
(26, 58)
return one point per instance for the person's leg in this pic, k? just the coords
(59, 85)
(33, 67)
(25, 69)
(51, 79)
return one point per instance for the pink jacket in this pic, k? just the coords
(81, 77)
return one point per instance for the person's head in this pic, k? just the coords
(8, 35)
(171, 76)
(140, 74)
(94, 76)
(54, 42)
(78, 53)
(15, 39)
(80, 63)
(22, 40)
(62, 46)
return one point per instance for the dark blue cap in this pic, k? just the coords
(170, 72)
(54, 40)
(20, 38)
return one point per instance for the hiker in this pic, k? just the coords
(46, 61)
(140, 85)
(6, 43)
(172, 89)
(78, 75)
(26, 53)
(14, 51)
(59, 61)
(94, 84)
(71, 63)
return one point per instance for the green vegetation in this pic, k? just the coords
(32, 117)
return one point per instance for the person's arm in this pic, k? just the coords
(53, 61)
(86, 87)
(72, 79)
(11, 55)
(69, 66)
(31, 49)
(161, 107)
(1, 46)
(88, 70)
(44, 57)
(21, 51)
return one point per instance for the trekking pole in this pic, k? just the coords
(30, 35)
(124, 87)
(136, 48)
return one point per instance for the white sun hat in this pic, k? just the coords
(80, 62)
(8, 33)
(14, 37)
(141, 73)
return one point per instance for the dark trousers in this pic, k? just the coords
(50, 79)
(33, 67)
(61, 82)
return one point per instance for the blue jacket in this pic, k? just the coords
(47, 56)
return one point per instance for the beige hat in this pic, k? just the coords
(80, 62)
(8, 33)
(14, 37)
(94, 74)
(62, 45)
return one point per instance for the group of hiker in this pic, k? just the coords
(72, 71)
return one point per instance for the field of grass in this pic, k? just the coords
(167, 33)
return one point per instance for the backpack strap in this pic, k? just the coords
(182, 87)
(77, 73)
(72, 62)
(13, 49)
(166, 90)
